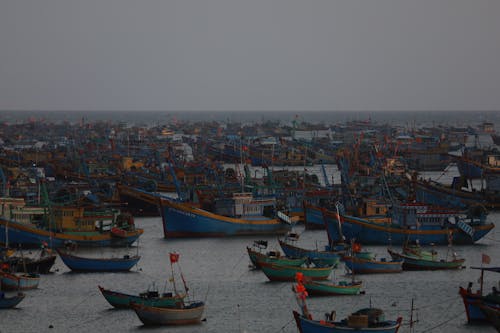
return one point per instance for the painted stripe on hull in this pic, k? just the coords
(315, 326)
(180, 220)
(374, 234)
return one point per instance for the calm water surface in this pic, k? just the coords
(240, 299)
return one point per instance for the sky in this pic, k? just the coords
(183, 55)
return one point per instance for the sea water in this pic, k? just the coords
(241, 299)
(238, 298)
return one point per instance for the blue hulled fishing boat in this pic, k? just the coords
(411, 222)
(240, 214)
(362, 321)
(474, 301)
(87, 264)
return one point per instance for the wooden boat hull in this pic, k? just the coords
(414, 263)
(81, 264)
(30, 236)
(19, 281)
(169, 316)
(123, 301)
(370, 233)
(365, 266)
(185, 220)
(10, 302)
(320, 258)
(287, 273)
(324, 288)
(306, 325)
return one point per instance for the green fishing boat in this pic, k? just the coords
(287, 273)
(330, 288)
(416, 258)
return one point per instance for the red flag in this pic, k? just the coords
(485, 259)
(174, 257)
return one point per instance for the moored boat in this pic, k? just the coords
(182, 313)
(287, 273)
(190, 313)
(244, 216)
(330, 288)
(318, 257)
(415, 258)
(362, 321)
(273, 257)
(89, 264)
(357, 322)
(149, 298)
(19, 281)
(32, 226)
(360, 265)
(473, 300)
(40, 264)
(411, 222)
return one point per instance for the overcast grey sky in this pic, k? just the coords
(250, 54)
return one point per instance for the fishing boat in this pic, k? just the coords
(19, 281)
(23, 226)
(182, 313)
(276, 272)
(474, 300)
(318, 257)
(453, 195)
(411, 222)
(416, 258)
(367, 265)
(241, 214)
(257, 256)
(190, 313)
(40, 264)
(149, 298)
(362, 321)
(331, 288)
(10, 302)
(88, 264)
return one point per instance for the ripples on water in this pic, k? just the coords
(240, 299)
